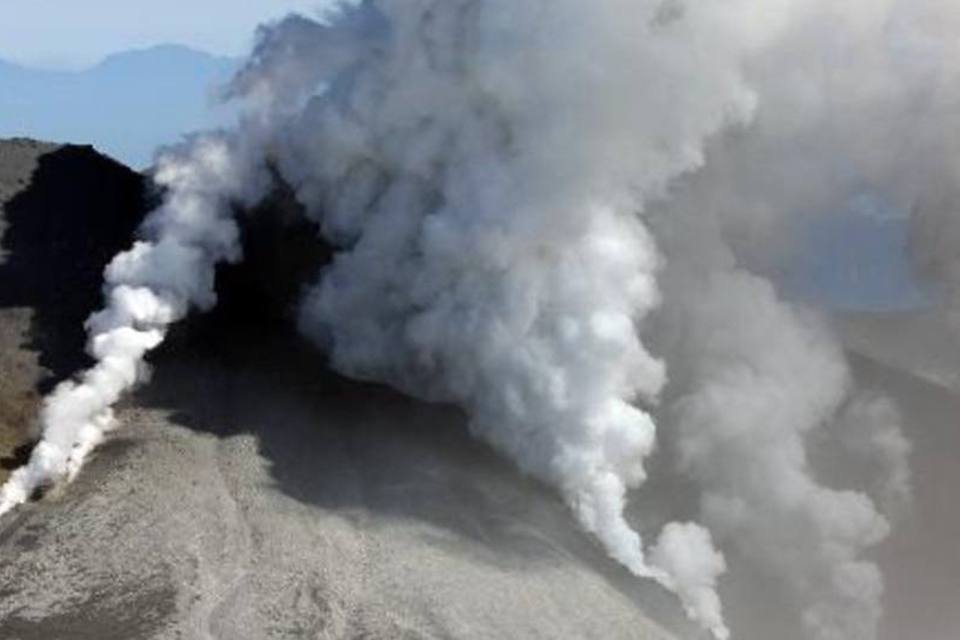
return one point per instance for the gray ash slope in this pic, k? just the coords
(250, 492)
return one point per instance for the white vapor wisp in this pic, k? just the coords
(539, 208)
(147, 289)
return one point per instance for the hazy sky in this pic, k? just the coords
(75, 33)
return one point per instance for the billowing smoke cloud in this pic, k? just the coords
(485, 186)
(516, 187)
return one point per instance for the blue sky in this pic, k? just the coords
(78, 33)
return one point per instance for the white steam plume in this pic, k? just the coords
(484, 167)
(147, 289)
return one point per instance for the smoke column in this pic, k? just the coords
(519, 191)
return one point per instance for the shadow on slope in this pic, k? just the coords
(77, 212)
(64, 213)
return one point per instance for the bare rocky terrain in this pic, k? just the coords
(252, 494)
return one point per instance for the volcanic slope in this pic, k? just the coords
(250, 493)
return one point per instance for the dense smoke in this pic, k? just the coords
(854, 101)
(485, 186)
(519, 190)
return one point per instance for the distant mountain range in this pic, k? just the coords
(126, 106)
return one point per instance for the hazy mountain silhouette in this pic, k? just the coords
(126, 105)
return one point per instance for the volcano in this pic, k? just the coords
(250, 492)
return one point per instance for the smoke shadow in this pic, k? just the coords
(77, 211)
